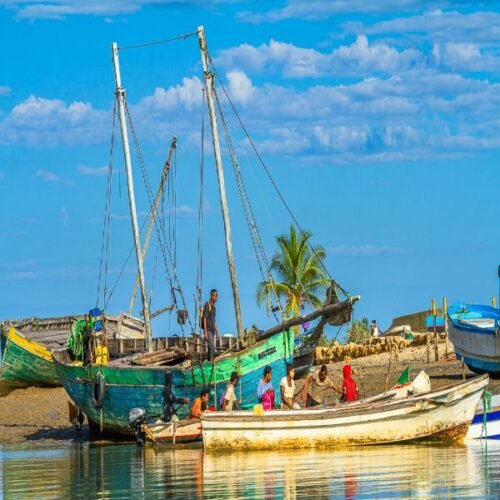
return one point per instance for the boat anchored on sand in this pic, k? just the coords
(442, 416)
(474, 331)
(27, 345)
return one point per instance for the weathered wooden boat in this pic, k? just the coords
(474, 331)
(443, 415)
(184, 431)
(27, 345)
(486, 421)
(128, 385)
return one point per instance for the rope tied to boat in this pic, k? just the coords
(486, 410)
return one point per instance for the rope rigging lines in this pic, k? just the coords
(268, 173)
(172, 276)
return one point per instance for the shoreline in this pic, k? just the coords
(40, 415)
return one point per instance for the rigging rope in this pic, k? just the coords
(159, 42)
(273, 182)
(107, 217)
(163, 247)
(249, 215)
(199, 267)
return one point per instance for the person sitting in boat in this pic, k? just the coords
(315, 387)
(287, 389)
(169, 400)
(349, 387)
(200, 404)
(265, 391)
(229, 399)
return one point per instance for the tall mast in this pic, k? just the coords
(209, 84)
(164, 175)
(120, 97)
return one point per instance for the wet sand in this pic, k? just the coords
(41, 414)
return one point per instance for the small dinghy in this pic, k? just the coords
(444, 416)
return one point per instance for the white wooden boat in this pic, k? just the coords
(443, 415)
(184, 431)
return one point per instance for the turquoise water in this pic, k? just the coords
(125, 471)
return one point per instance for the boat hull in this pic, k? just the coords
(183, 432)
(26, 360)
(443, 416)
(479, 347)
(130, 387)
(492, 431)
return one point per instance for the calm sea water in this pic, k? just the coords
(125, 471)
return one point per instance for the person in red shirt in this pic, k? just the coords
(349, 387)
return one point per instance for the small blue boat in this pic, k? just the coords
(474, 331)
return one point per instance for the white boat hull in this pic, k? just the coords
(440, 415)
(492, 431)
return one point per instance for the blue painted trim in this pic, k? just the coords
(491, 417)
(479, 365)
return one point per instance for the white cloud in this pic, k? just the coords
(240, 86)
(93, 171)
(4, 91)
(439, 25)
(295, 62)
(60, 9)
(64, 216)
(50, 122)
(48, 176)
(320, 9)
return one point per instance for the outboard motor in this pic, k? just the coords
(136, 419)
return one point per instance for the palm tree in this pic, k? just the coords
(298, 274)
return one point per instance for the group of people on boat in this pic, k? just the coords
(314, 392)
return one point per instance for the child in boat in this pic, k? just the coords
(349, 387)
(265, 391)
(287, 388)
(229, 397)
(200, 404)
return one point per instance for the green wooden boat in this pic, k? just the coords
(27, 345)
(26, 360)
(128, 386)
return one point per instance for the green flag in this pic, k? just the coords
(404, 377)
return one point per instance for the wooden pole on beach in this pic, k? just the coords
(434, 316)
(445, 311)
(428, 347)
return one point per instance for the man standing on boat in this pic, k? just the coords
(316, 386)
(209, 325)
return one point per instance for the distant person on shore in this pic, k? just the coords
(265, 391)
(169, 400)
(229, 398)
(209, 325)
(315, 387)
(199, 404)
(349, 387)
(287, 388)
(374, 331)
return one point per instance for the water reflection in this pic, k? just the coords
(125, 471)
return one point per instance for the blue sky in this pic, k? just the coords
(378, 120)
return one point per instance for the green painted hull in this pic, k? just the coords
(130, 387)
(18, 364)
